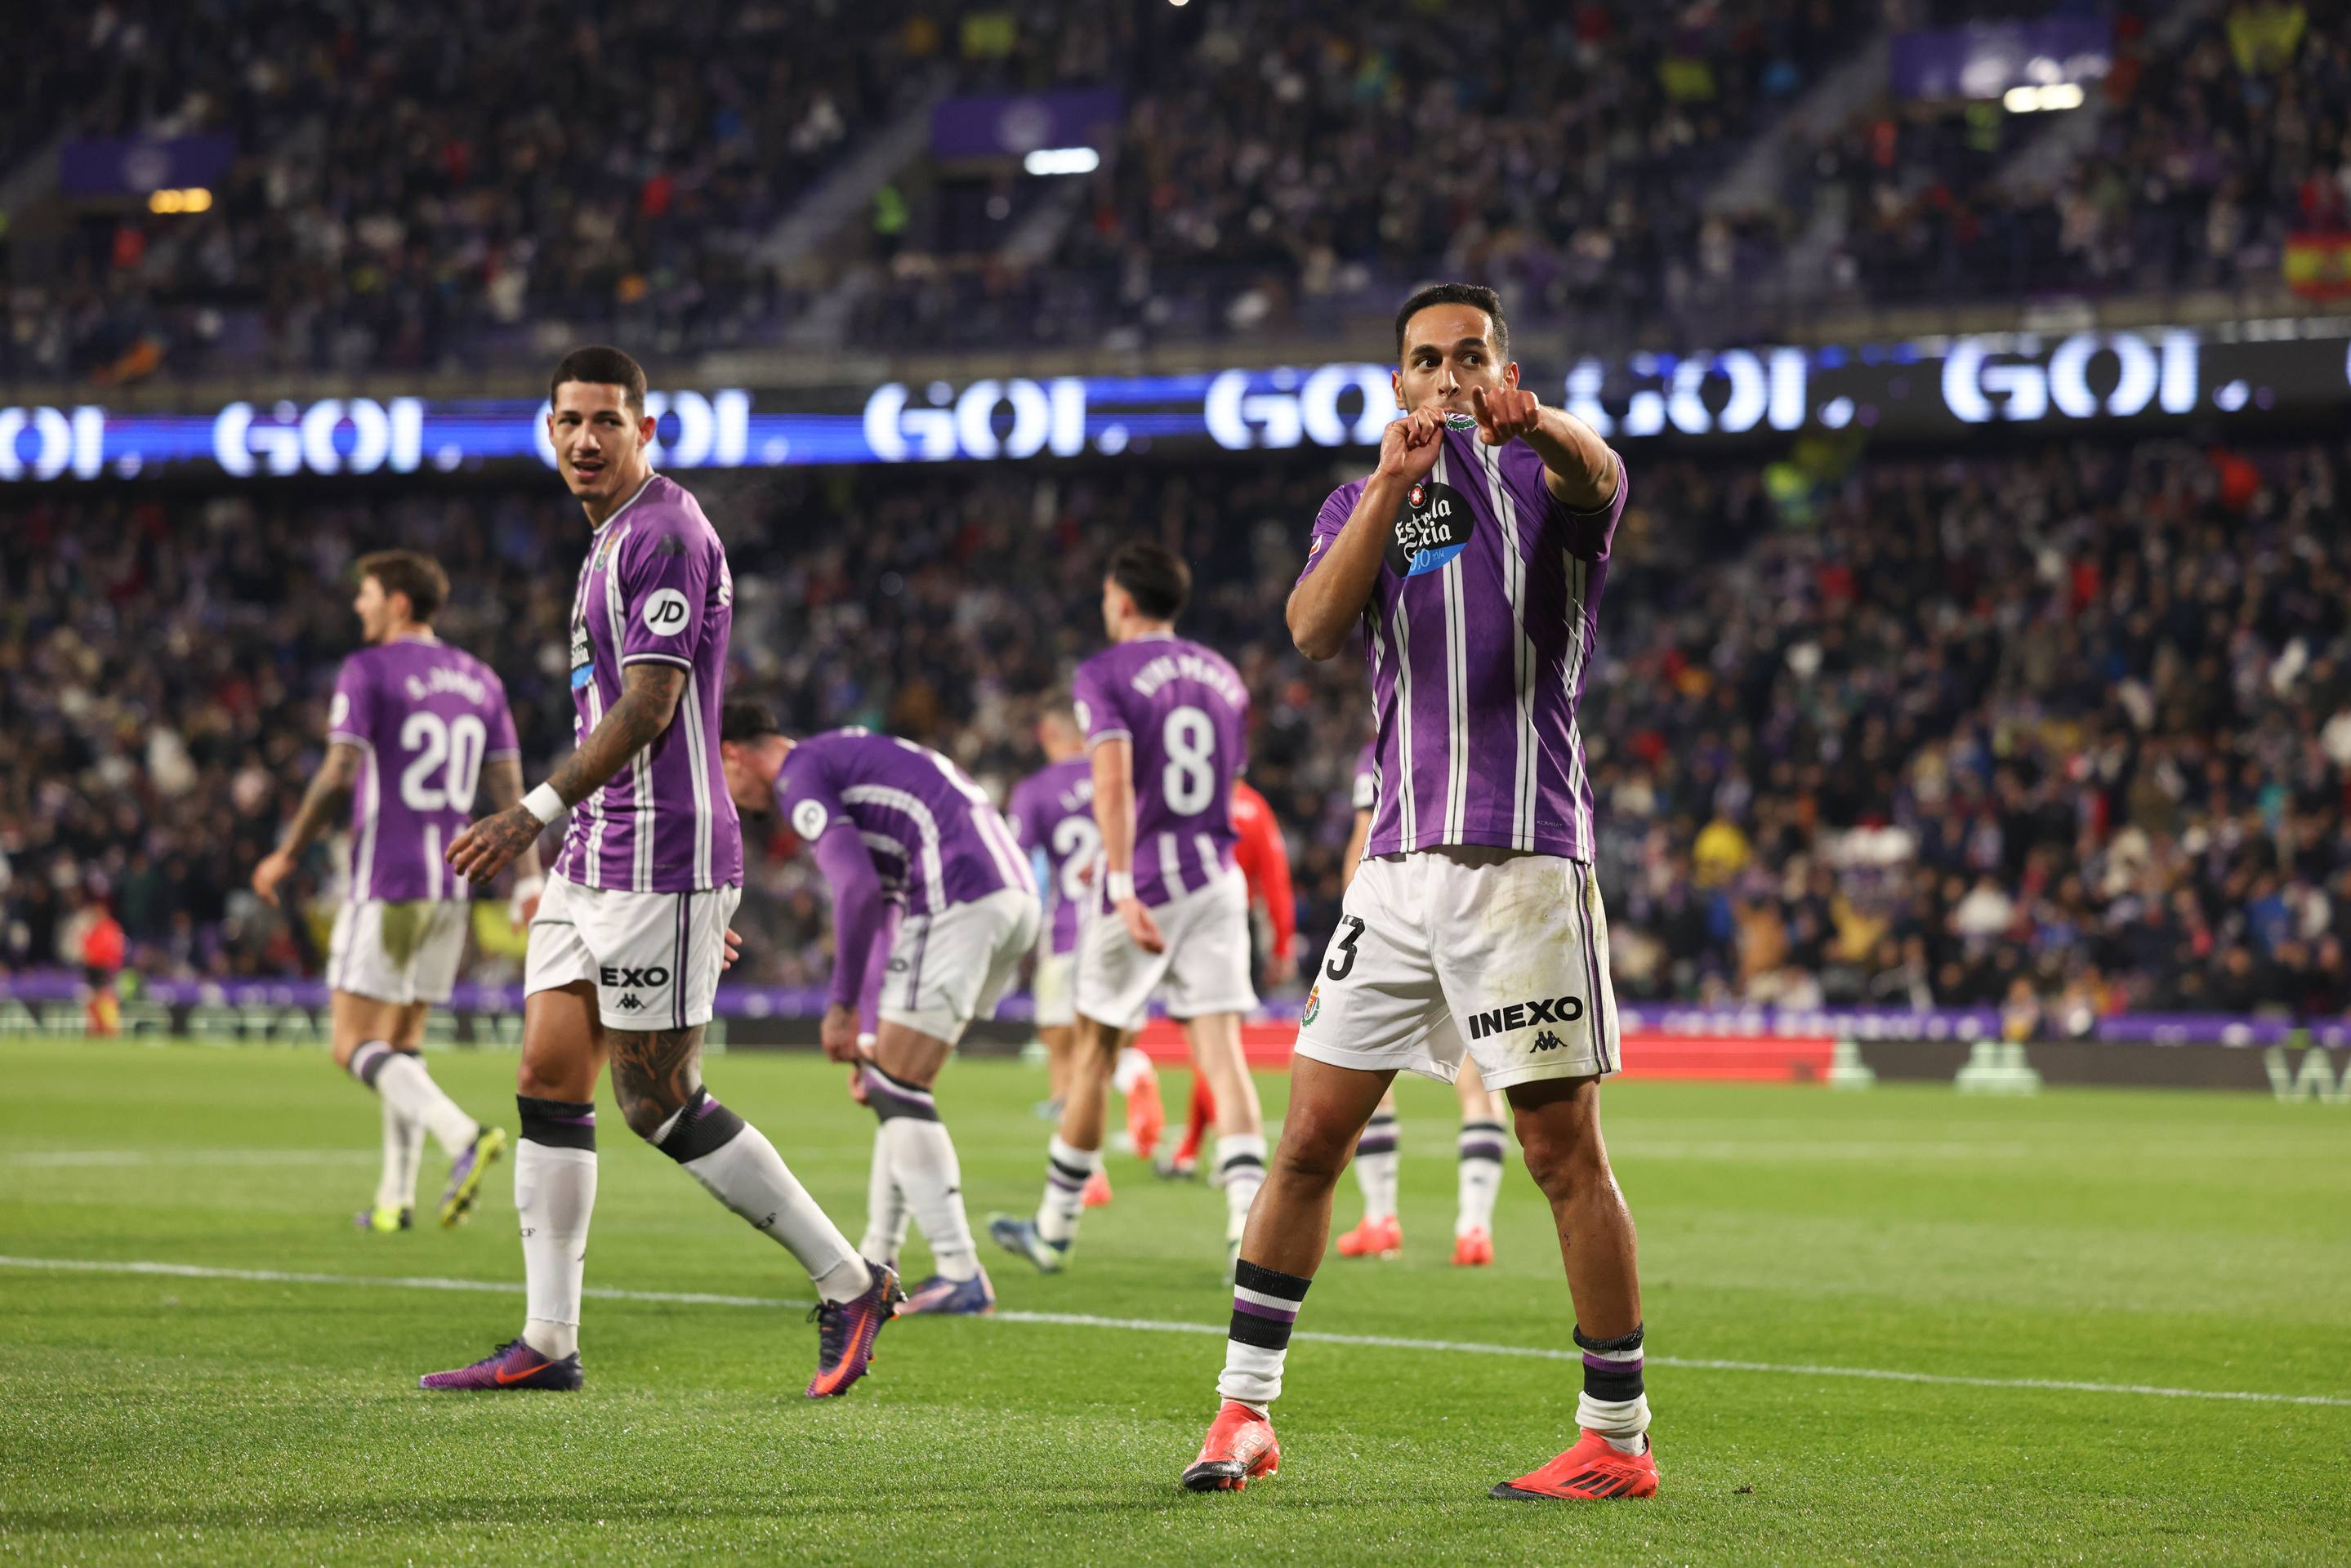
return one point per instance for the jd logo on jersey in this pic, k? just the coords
(1524, 1015)
(1432, 526)
(651, 979)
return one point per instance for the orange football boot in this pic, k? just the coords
(1373, 1238)
(1146, 1116)
(1097, 1189)
(1589, 1471)
(1473, 1249)
(1239, 1446)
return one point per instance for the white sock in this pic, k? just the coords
(1240, 1171)
(1624, 1425)
(1067, 1168)
(1481, 1149)
(1266, 1304)
(404, 1084)
(1132, 1067)
(555, 1196)
(923, 1157)
(750, 1177)
(1376, 1162)
(403, 1151)
(886, 1211)
(1614, 1367)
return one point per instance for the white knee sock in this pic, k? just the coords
(1614, 1402)
(1376, 1166)
(922, 1157)
(1240, 1171)
(886, 1211)
(1067, 1166)
(1482, 1150)
(555, 1196)
(1132, 1067)
(403, 1151)
(406, 1085)
(738, 1165)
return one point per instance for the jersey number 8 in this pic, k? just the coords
(1188, 782)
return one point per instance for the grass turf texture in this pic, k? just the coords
(2188, 1240)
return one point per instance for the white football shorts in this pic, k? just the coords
(653, 958)
(947, 969)
(1054, 988)
(1204, 969)
(401, 951)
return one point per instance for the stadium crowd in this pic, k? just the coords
(2110, 776)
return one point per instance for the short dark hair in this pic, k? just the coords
(1155, 576)
(410, 572)
(602, 365)
(742, 720)
(1476, 296)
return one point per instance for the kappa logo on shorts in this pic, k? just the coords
(652, 979)
(1547, 1041)
(629, 1002)
(1526, 1015)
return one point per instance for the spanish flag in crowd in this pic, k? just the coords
(2318, 266)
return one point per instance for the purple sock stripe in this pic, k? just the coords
(1481, 1149)
(1602, 1364)
(1384, 1143)
(1056, 1179)
(1254, 1310)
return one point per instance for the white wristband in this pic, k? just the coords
(1121, 885)
(544, 803)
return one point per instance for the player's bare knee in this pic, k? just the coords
(1314, 1148)
(645, 1112)
(653, 1075)
(1564, 1164)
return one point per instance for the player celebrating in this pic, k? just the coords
(415, 727)
(1052, 815)
(890, 821)
(1473, 556)
(1480, 1147)
(1164, 719)
(628, 944)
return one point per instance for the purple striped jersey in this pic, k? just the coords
(654, 589)
(1052, 815)
(1479, 631)
(425, 717)
(935, 837)
(1187, 714)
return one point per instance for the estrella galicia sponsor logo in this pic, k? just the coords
(1547, 1041)
(1432, 526)
(651, 979)
(1525, 1015)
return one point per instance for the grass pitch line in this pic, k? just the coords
(1155, 1325)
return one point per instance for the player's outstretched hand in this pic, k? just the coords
(1410, 445)
(1505, 414)
(1141, 926)
(839, 1032)
(275, 867)
(487, 847)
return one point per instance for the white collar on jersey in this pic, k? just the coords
(650, 475)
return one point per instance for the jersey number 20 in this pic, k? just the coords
(452, 748)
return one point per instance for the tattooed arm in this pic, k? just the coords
(503, 779)
(328, 793)
(649, 695)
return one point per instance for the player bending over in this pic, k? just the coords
(1480, 1147)
(1164, 719)
(893, 822)
(415, 727)
(1473, 556)
(629, 943)
(1051, 813)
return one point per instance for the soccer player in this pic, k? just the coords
(1052, 815)
(1473, 556)
(629, 942)
(1163, 718)
(892, 822)
(1479, 1147)
(415, 729)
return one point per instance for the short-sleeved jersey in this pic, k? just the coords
(425, 717)
(1366, 792)
(1053, 814)
(655, 588)
(1183, 709)
(1479, 631)
(935, 837)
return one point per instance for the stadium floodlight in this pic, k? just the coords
(1063, 160)
(2051, 96)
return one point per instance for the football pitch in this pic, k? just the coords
(2097, 1326)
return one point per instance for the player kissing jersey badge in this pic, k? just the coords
(1432, 526)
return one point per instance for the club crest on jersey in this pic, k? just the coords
(1432, 526)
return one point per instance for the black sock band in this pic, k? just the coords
(558, 1124)
(703, 1126)
(1482, 1140)
(1265, 1305)
(890, 1098)
(1607, 1380)
(1621, 1343)
(1379, 1136)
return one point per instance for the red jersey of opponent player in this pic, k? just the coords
(1264, 860)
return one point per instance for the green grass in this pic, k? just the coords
(2196, 1242)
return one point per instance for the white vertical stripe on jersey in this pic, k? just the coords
(371, 811)
(1170, 870)
(1514, 589)
(1457, 680)
(1208, 864)
(926, 832)
(594, 843)
(432, 861)
(1407, 799)
(640, 801)
(1579, 654)
(1377, 642)
(1002, 847)
(697, 762)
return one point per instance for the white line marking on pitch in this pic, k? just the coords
(1155, 1325)
(95, 1159)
